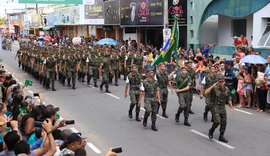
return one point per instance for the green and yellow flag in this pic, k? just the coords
(170, 46)
(28, 83)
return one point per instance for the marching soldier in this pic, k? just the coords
(133, 81)
(122, 58)
(192, 74)
(182, 89)
(51, 69)
(115, 64)
(207, 82)
(72, 65)
(163, 81)
(18, 55)
(221, 96)
(138, 60)
(92, 70)
(104, 70)
(150, 91)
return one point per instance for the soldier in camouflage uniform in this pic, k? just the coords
(122, 58)
(18, 55)
(151, 99)
(129, 62)
(183, 83)
(51, 68)
(72, 64)
(82, 70)
(115, 64)
(192, 74)
(104, 70)
(207, 82)
(92, 70)
(221, 96)
(163, 81)
(133, 81)
(138, 60)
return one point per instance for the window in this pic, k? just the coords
(130, 30)
(191, 19)
(239, 27)
(192, 5)
(265, 39)
(191, 33)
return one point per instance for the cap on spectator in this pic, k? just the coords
(74, 137)
(50, 110)
(235, 37)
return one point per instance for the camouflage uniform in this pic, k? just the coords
(134, 81)
(92, 71)
(192, 75)
(115, 69)
(105, 73)
(138, 60)
(71, 70)
(50, 64)
(129, 60)
(122, 57)
(183, 97)
(209, 81)
(221, 96)
(82, 70)
(150, 88)
(18, 55)
(162, 78)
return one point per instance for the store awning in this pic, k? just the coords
(233, 8)
(48, 27)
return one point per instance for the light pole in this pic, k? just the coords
(165, 14)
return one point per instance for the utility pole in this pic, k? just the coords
(165, 13)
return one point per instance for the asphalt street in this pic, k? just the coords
(103, 120)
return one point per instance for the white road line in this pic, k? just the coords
(113, 96)
(239, 110)
(214, 140)
(94, 148)
(157, 114)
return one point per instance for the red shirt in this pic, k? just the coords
(244, 41)
(237, 42)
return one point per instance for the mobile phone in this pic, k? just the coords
(38, 124)
(8, 124)
(36, 94)
(117, 150)
(70, 122)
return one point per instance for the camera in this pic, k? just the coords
(117, 150)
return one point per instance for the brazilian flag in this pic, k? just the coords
(28, 83)
(170, 46)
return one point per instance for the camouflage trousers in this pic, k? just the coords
(114, 74)
(50, 77)
(105, 79)
(92, 73)
(164, 97)
(71, 75)
(184, 103)
(150, 106)
(134, 99)
(220, 118)
(209, 105)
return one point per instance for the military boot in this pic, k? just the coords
(154, 128)
(137, 117)
(186, 122)
(130, 113)
(205, 116)
(68, 80)
(177, 115)
(95, 84)
(73, 86)
(164, 113)
(222, 139)
(145, 119)
(107, 90)
(211, 132)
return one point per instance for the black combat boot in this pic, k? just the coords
(222, 139)
(186, 122)
(205, 116)
(107, 90)
(68, 80)
(145, 119)
(130, 113)
(116, 84)
(177, 115)
(191, 112)
(137, 117)
(211, 132)
(95, 84)
(164, 113)
(73, 86)
(154, 128)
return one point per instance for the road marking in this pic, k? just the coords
(214, 140)
(94, 148)
(239, 110)
(113, 96)
(157, 114)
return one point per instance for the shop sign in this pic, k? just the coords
(112, 12)
(67, 16)
(141, 12)
(177, 8)
(93, 13)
